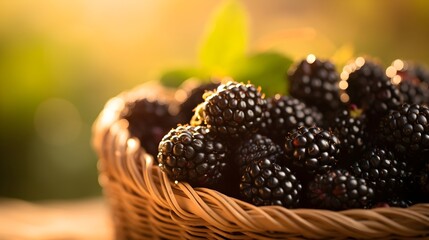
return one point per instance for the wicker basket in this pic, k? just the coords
(145, 204)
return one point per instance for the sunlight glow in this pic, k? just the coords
(311, 58)
(344, 97)
(398, 64)
(391, 71)
(343, 85)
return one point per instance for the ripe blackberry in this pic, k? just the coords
(350, 127)
(257, 147)
(285, 113)
(382, 171)
(356, 77)
(192, 154)
(194, 95)
(339, 190)
(149, 121)
(234, 110)
(406, 77)
(422, 73)
(406, 129)
(312, 149)
(423, 181)
(266, 183)
(368, 87)
(315, 82)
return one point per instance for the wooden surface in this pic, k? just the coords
(81, 219)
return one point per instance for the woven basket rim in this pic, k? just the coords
(123, 162)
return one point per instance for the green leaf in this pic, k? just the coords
(266, 69)
(175, 77)
(226, 38)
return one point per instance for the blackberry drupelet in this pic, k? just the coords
(350, 127)
(234, 110)
(315, 82)
(406, 129)
(339, 190)
(313, 149)
(423, 181)
(410, 80)
(383, 172)
(256, 147)
(266, 183)
(370, 89)
(422, 73)
(194, 96)
(192, 154)
(285, 113)
(149, 121)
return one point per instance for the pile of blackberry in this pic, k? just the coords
(356, 139)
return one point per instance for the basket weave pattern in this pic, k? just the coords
(146, 204)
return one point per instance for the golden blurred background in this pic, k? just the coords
(60, 61)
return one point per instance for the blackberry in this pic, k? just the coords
(422, 73)
(350, 127)
(285, 113)
(356, 77)
(312, 149)
(193, 93)
(192, 154)
(406, 129)
(423, 181)
(234, 110)
(149, 121)
(410, 81)
(382, 171)
(315, 82)
(256, 147)
(339, 190)
(266, 183)
(367, 86)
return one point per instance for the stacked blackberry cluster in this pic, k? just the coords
(359, 139)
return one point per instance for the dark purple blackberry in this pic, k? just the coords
(192, 154)
(313, 149)
(339, 190)
(350, 127)
(405, 76)
(149, 121)
(406, 129)
(234, 110)
(367, 86)
(193, 97)
(257, 147)
(315, 82)
(356, 78)
(266, 183)
(422, 73)
(423, 181)
(285, 113)
(382, 171)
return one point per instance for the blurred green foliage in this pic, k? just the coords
(265, 69)
(226, 39)
(33, 69)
